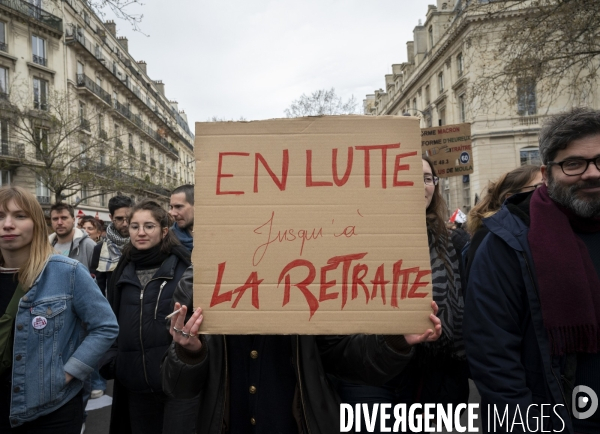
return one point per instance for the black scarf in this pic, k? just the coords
(143, 259)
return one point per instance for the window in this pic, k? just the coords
(103, 199)
(462, 108)
(466, 193)
(3, 45)
(430, 37)
(82, 155)
(459, 64)
(40, 94)
(446, 191)
(84, 193)
(4, 136)
(530, 156)
(99, 82)
(79, 70)
(118, 142)
(39, 50)
(3, 82)
(41, 143)
(442, 116)
(526, 103)
(42, 192)
(414, 103)
(4, 177)
(84, 122)
(427, 95)
(441, 82)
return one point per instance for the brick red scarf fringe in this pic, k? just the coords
(568, 283)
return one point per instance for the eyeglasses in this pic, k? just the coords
(120, 219)
(148, 228)
(530, 187)
(431, 180)
(576, 166)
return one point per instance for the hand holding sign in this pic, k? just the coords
(186, 334)
(430, 335)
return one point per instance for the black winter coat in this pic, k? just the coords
(507, 346)
(368, 359)
(143, 337)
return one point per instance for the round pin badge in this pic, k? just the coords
(39, 322)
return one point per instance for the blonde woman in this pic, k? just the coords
(44, 300)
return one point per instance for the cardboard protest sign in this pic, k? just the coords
(449, 148)
(311, 226)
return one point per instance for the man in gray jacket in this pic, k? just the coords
(67, 239)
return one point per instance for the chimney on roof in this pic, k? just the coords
(175, 105)
(183, 115)
(111, 27)
(160, 86)
(123, 42)
(142, 65)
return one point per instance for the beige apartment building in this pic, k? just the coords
(435, 85)
(61, 49)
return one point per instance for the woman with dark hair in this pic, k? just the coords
(524, 179)
(140, 292)
(438, 371)
(55, 324)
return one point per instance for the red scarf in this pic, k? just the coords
(568, 283)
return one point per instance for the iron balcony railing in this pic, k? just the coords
(118, 143)
(4, 47)
(152, 162)
(73, 34)
(143, 157)
(40, 60)
(137, 120)
(103, 134)
(85, 124)
(85, 81)
(11, 150)
(40, 105)
(35, 12)
(44, 200)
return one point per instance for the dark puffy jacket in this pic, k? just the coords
(143, 337)
(369, 359)
(507, 346)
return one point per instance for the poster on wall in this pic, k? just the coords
(449, 147)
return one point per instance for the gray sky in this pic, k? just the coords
(233, 58)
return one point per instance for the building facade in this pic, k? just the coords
(70, 91)
(436, 85)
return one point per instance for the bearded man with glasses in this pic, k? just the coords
(533, 329)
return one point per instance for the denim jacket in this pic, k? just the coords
(64, 324)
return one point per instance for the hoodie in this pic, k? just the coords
(82, 249)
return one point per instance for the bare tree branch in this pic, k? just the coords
(321, 102)
(554, 44)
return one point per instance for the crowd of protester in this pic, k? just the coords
(516, 308)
